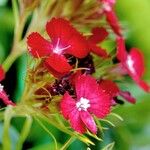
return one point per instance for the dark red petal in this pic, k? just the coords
(98, 35)
(5, 99)
(88, 121)
(109, 87)
(67, 105)
(59, 28)
(138, 61)
(87, 87)
(121, 50)
(2, 73)
(57, 65)
(127, 96)
(113, 22)
(98, 50)
(38, 46)
(68, 35)
(76, 122)
(79, 46)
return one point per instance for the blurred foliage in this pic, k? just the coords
(131, 134)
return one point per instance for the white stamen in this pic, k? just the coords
(58, 49)
(1, 88)
(130, 64)
(83, 104)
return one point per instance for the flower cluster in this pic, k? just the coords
(68, 56)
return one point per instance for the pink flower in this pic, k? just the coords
(64, 40)
(90, 99)
(111, 88)
(132, 63)
(2, 73)
(111, 16)
(98, 35)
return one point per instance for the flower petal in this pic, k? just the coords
(59, 28)
(98, 50)
(121, 50)
(38, 46)
(127, 96)
(113, 22)
(138, 61)
(76, 122)
(79, 46)
(57, 65)
(67, 105)
(102, 107)
(109, 87)
(145, 86)
(86, 87)
(2, 73)
(88, 121)
(98, 35)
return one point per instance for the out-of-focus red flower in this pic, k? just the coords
(132, 63)
(110, 15)
(98, 35)
(111, 88)
(2, 73)
(90, 99)
(64, 40)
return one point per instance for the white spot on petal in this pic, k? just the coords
(130, 64)
(1, 88)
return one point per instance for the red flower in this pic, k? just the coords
(2, 73)
(90, 99)
(4, 97)
(64, 40)
(132, 63)
(111, 88)
(111, 16)
(98, 35)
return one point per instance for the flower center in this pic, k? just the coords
(83, 104)
(1, 88)
(130, 64)
(58, 49)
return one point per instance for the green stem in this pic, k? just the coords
(9, 61)
(24, 133)
(6, 137)
(45, 128)
(65, 146)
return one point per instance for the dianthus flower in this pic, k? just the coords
(90, 100)
(132, 63)
(65, 39)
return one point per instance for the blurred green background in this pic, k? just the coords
(131, 134)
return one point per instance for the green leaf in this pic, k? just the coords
(109, 146)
